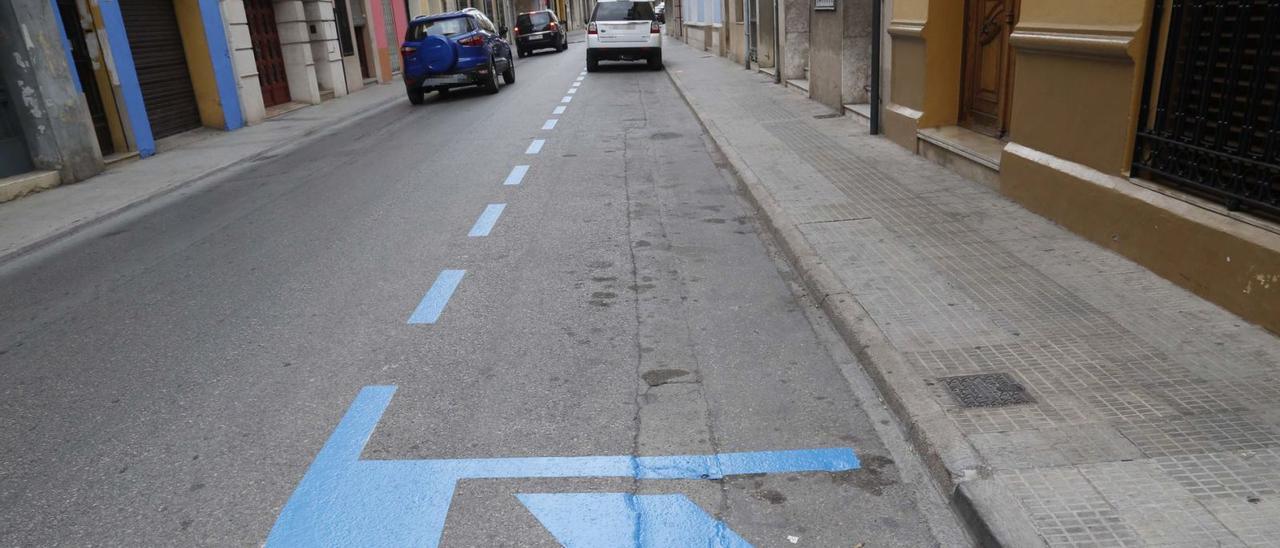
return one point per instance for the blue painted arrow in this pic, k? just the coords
(624, 520)
(345, 501)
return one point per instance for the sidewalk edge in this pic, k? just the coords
(304, 139)
(992, 516)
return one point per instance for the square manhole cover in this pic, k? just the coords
(986, 390)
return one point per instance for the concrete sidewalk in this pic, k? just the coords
(38, 219)
(1154, 416)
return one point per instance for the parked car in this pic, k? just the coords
(623, 30)
(660, 12)
(539, 30)
(459, 48)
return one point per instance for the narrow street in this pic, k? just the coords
(563, 269)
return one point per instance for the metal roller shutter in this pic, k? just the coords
(156, 41)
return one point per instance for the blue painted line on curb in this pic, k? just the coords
(486, 221)
(516, 175)
(343, 500)
(535, 146)
(437, 297)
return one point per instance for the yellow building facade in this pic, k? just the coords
(1147, 126)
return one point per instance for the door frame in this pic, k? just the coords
(969, 79)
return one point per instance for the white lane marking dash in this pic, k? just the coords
(566, 99)
(573, 91)
(581, 78)
(535, 146)
(517, 175)
(550, 124)
(487, 219)
(437, 297)
(558, 110)
(576, 84)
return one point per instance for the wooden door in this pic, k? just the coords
(265, 37)
(988, 65)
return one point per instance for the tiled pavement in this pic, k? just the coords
(1156, 415)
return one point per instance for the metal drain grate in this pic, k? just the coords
(986, 390)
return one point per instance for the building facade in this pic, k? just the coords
(84, 83)
(1147, 126)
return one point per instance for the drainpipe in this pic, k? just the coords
(876, 24)
(746, 34)
(777, 41)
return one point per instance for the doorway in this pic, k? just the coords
(14, 158)
(84, 71)
(265, 37)
(161, 63)
(988, 66)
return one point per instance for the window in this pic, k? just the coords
(623, 11)
(533, 21)
(439, 27)
(484, 22)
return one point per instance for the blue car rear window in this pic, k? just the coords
(439, 27)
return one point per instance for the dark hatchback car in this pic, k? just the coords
(539, 30)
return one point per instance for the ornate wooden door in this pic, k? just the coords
(988, 65)
(265, 37)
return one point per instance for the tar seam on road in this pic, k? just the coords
(535, 146)
(517, 175)
(487, 219)
(550, 124)
(558, 110)
(437, 297)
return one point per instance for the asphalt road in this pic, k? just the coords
(169, 376)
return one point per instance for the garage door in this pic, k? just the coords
(156, 42)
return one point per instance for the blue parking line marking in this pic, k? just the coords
(625, 519)
(344, 500)
(486, 221)
(550, 124)
(535, 146)
(437, 297)
(559, 110)
(566, 99)
(516, 175)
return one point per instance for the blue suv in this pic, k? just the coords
(459, 48)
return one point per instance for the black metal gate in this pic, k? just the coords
(156, 43)
(1210, 106)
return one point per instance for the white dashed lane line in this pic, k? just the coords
(566, 99)
(535, 146)
(517, 175)
(558, 110)
(549, 124)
